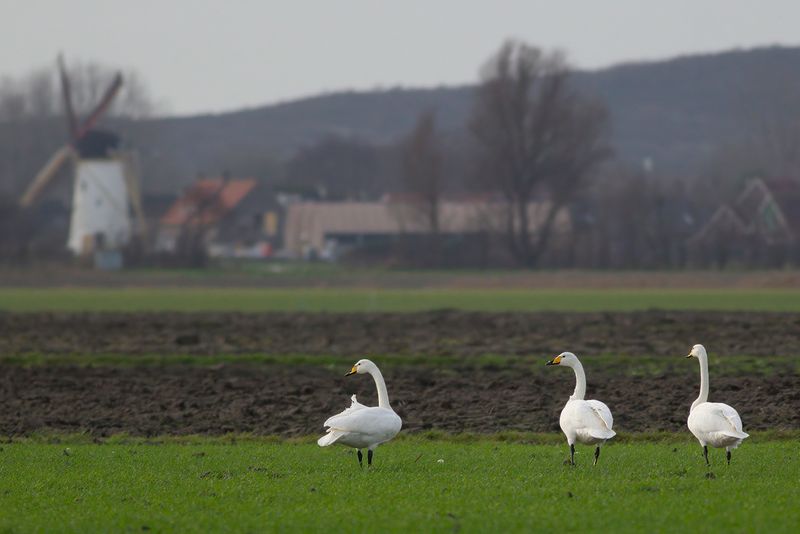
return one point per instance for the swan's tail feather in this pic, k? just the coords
(739, 436)
(330, 438)
(735, 434)
(602, 434)
(730, 438)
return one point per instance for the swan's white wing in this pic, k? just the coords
(725, 418)
(367, 421)
(364, 427)
(589, 420)
(731, 415)
(602, 412)
(354, 406)
(717, 424)
(334, 434)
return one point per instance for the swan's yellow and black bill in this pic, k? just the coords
(689, 355)
(555, 361)
(352, 371)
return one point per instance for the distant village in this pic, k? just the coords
(238, 218)
(246, 219)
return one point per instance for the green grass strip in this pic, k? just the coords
(435, 486)
(387, 300)
(508, 436)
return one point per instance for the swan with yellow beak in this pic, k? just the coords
(364, 427)
(713, 423)
(583, 421)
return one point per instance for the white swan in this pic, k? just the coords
(713, 423)
(585, 421)
(361, 426)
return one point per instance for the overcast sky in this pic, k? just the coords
(201, 55)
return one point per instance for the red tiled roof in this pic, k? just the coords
(207, 201)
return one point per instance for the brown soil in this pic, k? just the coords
(294, 400)
(291, 401)
(446, 333)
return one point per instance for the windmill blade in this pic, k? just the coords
(101, 108)
(66, 93)
(46, 175)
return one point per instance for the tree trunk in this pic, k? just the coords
(538, 248)
(523, 233)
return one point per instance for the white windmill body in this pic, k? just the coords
(100, 215)
(105, 188)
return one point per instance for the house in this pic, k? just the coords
(761, 227)
(223, 216)
(323, 229)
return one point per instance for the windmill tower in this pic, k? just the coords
(105, 188)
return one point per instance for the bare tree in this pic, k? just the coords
(536, 135)
(422, 177)
(30, 110)
(37, 94)
(771, 127)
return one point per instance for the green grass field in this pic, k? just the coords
(353, 300)
(477, 486)
(504, 482)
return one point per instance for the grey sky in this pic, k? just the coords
(201, 55)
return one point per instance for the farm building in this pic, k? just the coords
(324, 229)
(226, 217)
(761, 227)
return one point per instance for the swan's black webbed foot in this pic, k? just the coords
(596, 454)
(369, 458)
(728, 456)
(572, 454)
(705, 454)
(360, 458)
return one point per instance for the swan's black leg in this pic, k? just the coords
(369, 458)
(728, 455)
(572, 454)
(360, 456)
(705, 454)
(596, 454)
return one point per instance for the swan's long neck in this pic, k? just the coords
(380, 384)
(703, 380)
(580, 382)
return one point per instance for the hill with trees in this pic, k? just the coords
(677, 113)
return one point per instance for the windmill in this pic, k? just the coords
(105, 185)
